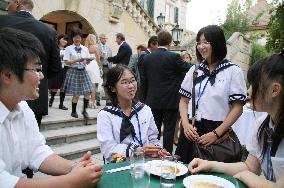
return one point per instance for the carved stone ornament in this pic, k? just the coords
(116, 10)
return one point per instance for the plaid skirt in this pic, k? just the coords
(77, 82)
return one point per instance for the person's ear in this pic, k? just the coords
(113, 89)
(6, 76)
(276, 89)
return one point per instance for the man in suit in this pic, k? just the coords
(163, 74)
(20, 17)
(152, 46)
(124, 51)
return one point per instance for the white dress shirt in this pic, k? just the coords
(108, 132)
(70, 54)
(22, 145)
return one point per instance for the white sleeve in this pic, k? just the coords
(39, 150)
(238, 90)
(186, 85)
(7, 180)
(67, 54)
(152, 130)
(106, 138)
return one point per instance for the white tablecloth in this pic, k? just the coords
(247, 124)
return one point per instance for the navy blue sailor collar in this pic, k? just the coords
(116, 110)
(224, 64)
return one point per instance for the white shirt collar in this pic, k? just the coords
(4, 112)
(163, 47)
(25, 11)
(122, 43)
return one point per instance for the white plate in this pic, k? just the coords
(190, 181)
(156, 167)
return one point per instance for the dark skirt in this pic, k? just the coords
(185, 148)
(57, 81)
(77, 82)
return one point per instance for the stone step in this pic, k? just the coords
(69, 134)
(71, 122)
(77, 149)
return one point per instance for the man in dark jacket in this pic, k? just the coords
(163, 74)
(20, 17)
(124, 51)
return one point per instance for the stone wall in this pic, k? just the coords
(96, 14)
(239, 50)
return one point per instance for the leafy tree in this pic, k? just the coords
(257, 52)
(236, 19)
(276, 29)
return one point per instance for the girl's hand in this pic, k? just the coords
(190, 132)
(207, 139)
(198, 165)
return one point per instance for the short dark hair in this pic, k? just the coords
(141, 47)
(164, 38)
(16, 47)
(62, 36)
(76, 32)
(121, 36)
(152, 40)
(215, 35)
(112, 77)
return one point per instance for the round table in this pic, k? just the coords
(123, 179)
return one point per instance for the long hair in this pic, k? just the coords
(90, 40)
(260, 75)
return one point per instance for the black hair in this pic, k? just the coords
(16, 47)
(259, 76)
(62, 36)
(164, 38)
(76, 32)
(152, 40)
(121, 36)
(112, 77)
(215, 35)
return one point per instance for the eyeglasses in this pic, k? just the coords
(202, 43)
(126, 83)
(37, 70)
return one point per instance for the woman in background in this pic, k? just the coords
(56, 82)
(266, 78)
(93, 67)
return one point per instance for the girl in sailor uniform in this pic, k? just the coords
(220, 93)
(127, 125)
(266, 150)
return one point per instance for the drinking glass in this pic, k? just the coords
(168, 172)
(139, 175)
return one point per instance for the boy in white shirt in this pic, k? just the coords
(21, 143)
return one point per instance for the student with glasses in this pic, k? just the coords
(266, 79)
(127, 125)
(22, 146)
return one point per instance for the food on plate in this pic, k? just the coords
(117, 157)
(204, 184)
(169, 168)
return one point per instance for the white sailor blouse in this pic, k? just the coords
(215, 91)
(118, 133)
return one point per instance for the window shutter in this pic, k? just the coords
(176, 15)
(150, 8)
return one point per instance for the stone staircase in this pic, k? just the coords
(70, 137)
